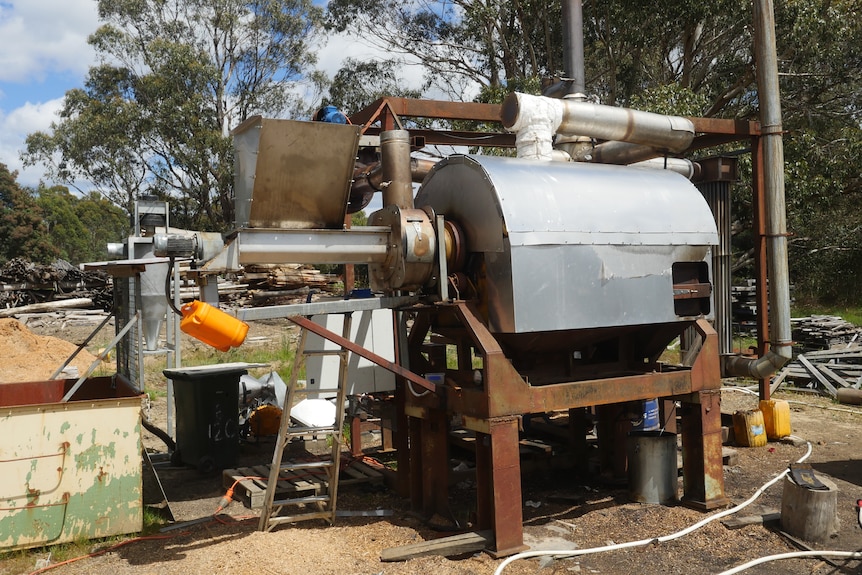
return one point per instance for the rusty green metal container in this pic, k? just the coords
(69, 471)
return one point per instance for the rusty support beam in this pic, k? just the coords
(702, 468)
(434, 445)
(414, 463)
(437, 109)
(457, 137)
(611, 429)
(761, 261)
(741, 128)
(498, 485)
(578, 427)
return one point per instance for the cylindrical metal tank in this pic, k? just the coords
(562, 246)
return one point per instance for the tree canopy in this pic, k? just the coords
(47, 223)
(21, 223)
(691, 58)
(175, 75)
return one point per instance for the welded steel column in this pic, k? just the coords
(773, 174)
(395, 162)
(702, 468)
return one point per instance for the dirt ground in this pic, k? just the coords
(564, 512)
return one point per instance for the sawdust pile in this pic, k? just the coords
(25, 356)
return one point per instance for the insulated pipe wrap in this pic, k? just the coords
(536, 115)
(534, 120)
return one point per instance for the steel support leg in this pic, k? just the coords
(435, 464)
(703, 472)
(498, 485)
(414, 464)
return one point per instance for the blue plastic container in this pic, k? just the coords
(650, 420)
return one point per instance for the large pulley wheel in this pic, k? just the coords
(456, 250)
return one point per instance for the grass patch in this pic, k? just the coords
(853, 314)
(279, 357)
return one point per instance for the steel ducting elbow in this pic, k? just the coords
(757, 368)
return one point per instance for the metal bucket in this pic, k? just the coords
(652, 466)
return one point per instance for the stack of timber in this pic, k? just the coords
(819, 332)
(30, 288)
(744, 307)
(271, 279)
(26, 283)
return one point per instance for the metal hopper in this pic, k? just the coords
(293, 175)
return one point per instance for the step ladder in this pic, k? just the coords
(321, 505)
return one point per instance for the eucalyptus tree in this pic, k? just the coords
(174, 76)
(22, 226)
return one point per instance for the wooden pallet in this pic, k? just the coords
(251, 482)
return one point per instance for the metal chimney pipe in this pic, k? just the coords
(773, 152)
(780, 338)
(573, 22)
(397, 181)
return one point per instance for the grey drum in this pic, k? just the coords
(577, 246)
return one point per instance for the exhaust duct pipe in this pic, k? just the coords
(535, 119)
(681, 166)
(397, 184)
(780, 352)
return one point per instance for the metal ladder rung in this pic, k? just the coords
(301, 500)
(325, 352)
(305, 465)
(310, 430)
(275, 521)
(324, 503)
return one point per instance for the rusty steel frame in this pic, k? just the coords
(493, 411)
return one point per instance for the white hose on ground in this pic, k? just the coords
(741, 390)
(643, 542)
(793, 555)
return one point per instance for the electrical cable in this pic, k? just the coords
(168, 294)
(105, 550)
(415, 393)
(644, 542)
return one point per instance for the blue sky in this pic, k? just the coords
(45, 53)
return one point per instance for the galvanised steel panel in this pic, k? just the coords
(69, 470)
(291, 174)
(372, 330)
(571, 245)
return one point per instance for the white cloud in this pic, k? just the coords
(45, 53)
(42, 37)
(14, 128)
(341, 46)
